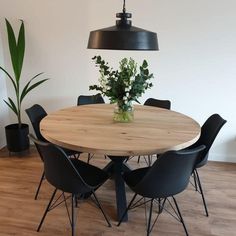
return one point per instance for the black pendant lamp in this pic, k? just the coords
(123, 36)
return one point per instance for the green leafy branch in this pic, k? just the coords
(124, 85)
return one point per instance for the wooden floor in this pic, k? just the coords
(20, 213)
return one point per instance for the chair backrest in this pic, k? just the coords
(209, 131)
(59, 170)
(90, 99)
(36, 113)
(169, 174)
(158, 103)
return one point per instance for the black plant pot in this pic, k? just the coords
(17, 138)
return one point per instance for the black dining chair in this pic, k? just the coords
(168, 176)
(166, 104)
(69, 176)
(209, 131)
(36, 113)
(90, 99)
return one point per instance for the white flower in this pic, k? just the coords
(126, 83)
(132, 79)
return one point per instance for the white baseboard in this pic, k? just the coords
(222, 157)
(2, 145)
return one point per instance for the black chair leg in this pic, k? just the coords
(39, 186)
(89, 157)
(201, 191)
(138, 159)
(47, 210)
(160, 208)
(180, 216)
(100, 207)
(73, 214)
(126, 210)
(149, 160)
(150, 218)
(195, 181)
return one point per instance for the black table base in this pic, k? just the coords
(116, 168)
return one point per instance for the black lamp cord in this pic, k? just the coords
(124, 9)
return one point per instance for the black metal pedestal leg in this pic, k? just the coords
(119, 186)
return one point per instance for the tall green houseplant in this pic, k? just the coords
(17, 53)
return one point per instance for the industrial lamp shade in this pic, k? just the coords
(123, 36)
(116, 38)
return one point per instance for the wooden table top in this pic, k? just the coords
(91, 129)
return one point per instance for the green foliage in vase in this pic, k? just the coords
(124, 85)
(17, 52)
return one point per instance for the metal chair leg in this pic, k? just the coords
(47, 210)
(150, 218)
(195, 181)
(89, 157)
(39, 186)
(72, 215)
(160, 208)
(100, 207)
(126, 210)
(180, 216)
(149, 160)
(138, 159)
(201, 191)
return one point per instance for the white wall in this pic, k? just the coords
(4, 115)
(195, 67)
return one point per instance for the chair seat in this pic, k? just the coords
(92, 175)
(134, 177)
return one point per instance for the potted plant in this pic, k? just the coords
(17, 134)
(123, 86)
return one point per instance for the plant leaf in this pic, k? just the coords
(13, 49)
(23, 93)
(145, 64)
(21, 47)
(30, 88)
(12, 80)
(12, 105)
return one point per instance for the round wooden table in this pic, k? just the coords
(91, 129)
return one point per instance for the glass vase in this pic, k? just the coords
(123, 112)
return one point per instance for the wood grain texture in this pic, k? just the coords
(20, 213)
(91, 129)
